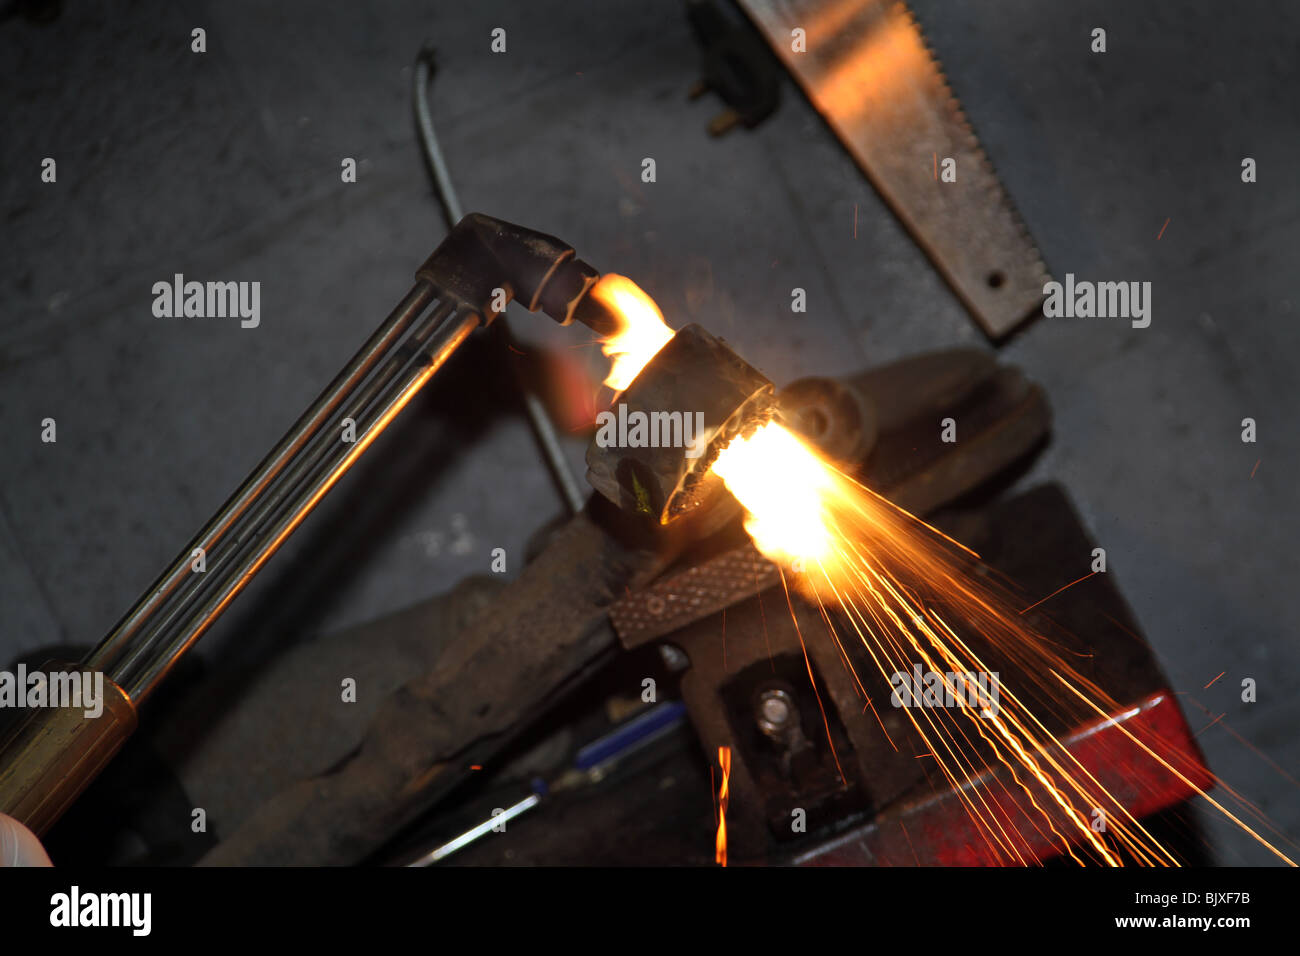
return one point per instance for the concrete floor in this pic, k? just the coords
(225, 165)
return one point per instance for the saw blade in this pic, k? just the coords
(866, 68)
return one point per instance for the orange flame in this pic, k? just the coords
(643, 332)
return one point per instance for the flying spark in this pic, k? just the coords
(724, 794)
(903, 591)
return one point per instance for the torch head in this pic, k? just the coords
(655, 445)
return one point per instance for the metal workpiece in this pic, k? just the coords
(689, 402)
(884, 427)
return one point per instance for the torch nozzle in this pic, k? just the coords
(484, 257)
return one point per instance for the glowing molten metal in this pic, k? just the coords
(783, 485)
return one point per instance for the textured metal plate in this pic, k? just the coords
(867, 70)
(680, 598)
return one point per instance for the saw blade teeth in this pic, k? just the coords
(973, 143)
(873, 76)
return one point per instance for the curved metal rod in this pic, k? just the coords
(543, 428)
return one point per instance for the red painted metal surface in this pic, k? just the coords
(938, 830)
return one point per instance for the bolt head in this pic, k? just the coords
(774, 711)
